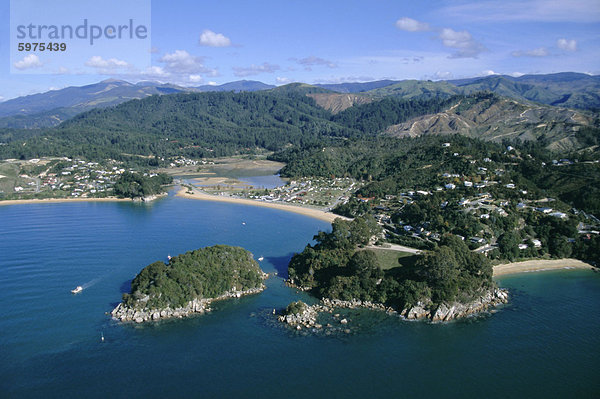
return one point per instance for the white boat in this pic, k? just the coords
(261, 259)
(77, 290)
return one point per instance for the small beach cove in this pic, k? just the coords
(538, 265)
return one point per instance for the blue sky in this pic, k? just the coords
(207, 42)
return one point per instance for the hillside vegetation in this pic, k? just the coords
(489, 117)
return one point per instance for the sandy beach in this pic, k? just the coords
(55, 200)
(314, 213)
(539, 265)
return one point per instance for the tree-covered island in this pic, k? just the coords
(189, 283)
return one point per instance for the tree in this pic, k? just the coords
(559, 247)
(508, 243)
(441, 271)
(364, 264)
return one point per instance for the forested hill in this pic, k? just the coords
(210, 125)
(195, 125)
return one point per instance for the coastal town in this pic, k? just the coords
(322, 193)
(492, 202)
(59, 178)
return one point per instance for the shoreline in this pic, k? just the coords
(200, 306)
(537, 265)
(314, 213)
(58, 200)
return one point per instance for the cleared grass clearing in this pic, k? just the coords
(389, 259)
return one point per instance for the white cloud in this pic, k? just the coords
(463, 42)
(1, 98)
(212, 39)
(111, 63)
(182, 62)
(255, 69)
(28, 62)
(155, 72)
(282, 80)
(538, 52)
(211, 83)
(195, 78)
(566, 44)
(489, 72)
(516, 74)
(311, 61)
(411, 25)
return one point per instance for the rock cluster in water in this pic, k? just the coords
(149, 198)
(197, 306)
(308, 317)
(444, 312)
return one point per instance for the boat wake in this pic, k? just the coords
(90, 283)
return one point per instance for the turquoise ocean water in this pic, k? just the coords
(545, 343)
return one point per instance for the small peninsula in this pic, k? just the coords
(189, 283)
(446, 283)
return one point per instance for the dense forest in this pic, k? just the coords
(204, 273)
(207, 125)
(335, 267)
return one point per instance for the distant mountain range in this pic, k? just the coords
(55, 106)
(568, 89)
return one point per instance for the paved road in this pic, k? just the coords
(396, 247)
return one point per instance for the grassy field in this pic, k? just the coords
(7, 183)
(230, 167)
(389, 259)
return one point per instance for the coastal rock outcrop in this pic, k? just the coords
(456, 310)
(149, 198)
(198, 306)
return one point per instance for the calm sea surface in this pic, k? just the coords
(545, 343)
